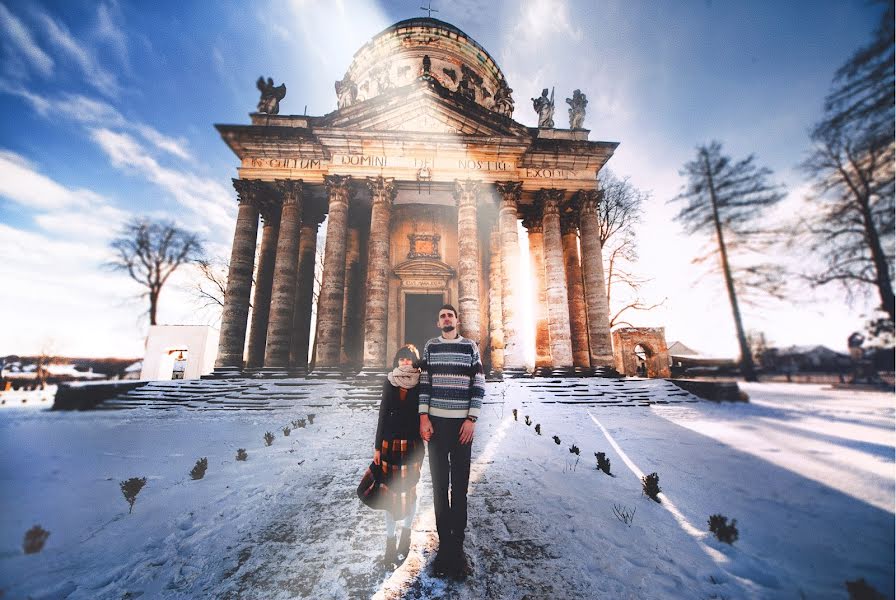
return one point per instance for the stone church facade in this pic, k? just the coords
(423, 176)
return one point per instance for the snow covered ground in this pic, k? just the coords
(807, 472)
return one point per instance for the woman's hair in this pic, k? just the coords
(407, 351)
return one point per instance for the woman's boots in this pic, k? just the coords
(404, 544)
(390, 557)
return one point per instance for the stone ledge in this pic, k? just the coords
(716, 391)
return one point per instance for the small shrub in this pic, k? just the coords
(514, 414)
(198, 470)
(241, 454)
(603, 463)
(35, 538)
(311, 418)
(286, 431)
(528, 420)
(574, 450)
(651, 485)
(268, 438)
(624, 513)
(131, 488)
(861, 590)
(300, 424)
(538, 428)
(556, 440)
(725, 532)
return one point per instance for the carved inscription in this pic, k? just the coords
(548, 173)
(483, 165)
(423, 283)
(361, 160)
(285, 163)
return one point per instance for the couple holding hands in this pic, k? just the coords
(433, 398)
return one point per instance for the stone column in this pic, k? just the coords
(555, 278)
(466, 193)
(533, 225)
(301, 337)
(514, 361)
(283, 294)
(234, 317)
(578, 320)
(264, 280)
(596, 306)
(376, 311)
(328, 338)
(495, 316)
(351, 323)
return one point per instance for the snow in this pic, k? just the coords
(808, 472)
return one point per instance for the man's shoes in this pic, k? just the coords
(461, 565)
(442, 564)
(389, 557)
(404, 543)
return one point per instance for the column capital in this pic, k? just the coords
(382, 189)
(338, 182)
(290, 190)
(247, 189)
(466, 191)
(549, 200)
(569, 223)
(510, 193)
(260, 195)
(588, 201)
(532, 219)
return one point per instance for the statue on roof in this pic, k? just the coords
(503, 100)
(270, 96)
(544, 106)
(577, 105)
(346, 92)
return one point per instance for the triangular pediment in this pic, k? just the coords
(424, 107)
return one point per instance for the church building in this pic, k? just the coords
(422, 175)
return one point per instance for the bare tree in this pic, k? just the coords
(851, 165)
(211, 285)
(150, 251)
(618, 213)
(726, 197)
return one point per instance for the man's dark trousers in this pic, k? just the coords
(449, 462)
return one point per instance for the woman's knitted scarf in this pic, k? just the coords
(404, 376)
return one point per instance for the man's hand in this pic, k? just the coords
(376, 457)
(466, 431)
(425, 428)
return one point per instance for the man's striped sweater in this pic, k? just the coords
(451, 381)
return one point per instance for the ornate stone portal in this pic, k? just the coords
(422, 176)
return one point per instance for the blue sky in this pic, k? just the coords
(108, 112)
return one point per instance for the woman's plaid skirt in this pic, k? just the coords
(400, 463)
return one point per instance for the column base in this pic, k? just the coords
(224, 373)
(608, 372)
(495, 376)
(327, 373)
(372, 372)
(515, 372)
(273, 373)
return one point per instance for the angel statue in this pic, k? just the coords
(270, 96)
(346, 92)
(503, 101)
(544, 106)
(577, 105)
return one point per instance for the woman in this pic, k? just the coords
(399, 450)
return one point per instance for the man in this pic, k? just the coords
(451, 390)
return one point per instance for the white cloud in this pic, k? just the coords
(95, 75)
(209, 202)
(18, 36)
(21, 183)
(90, 111)
(546, 20)
(108, 30)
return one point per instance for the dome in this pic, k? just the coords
(394, 58)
